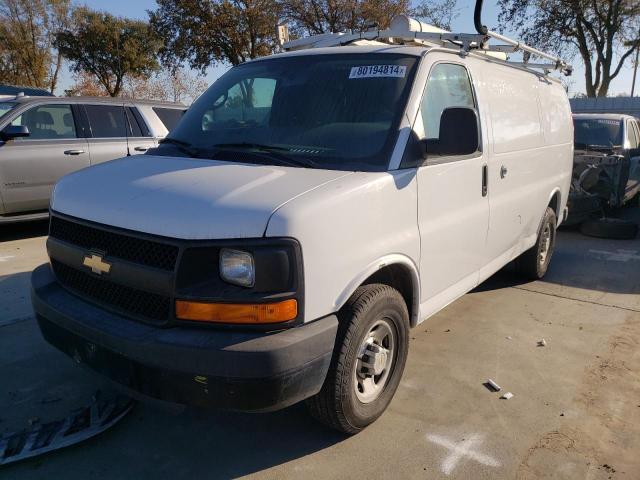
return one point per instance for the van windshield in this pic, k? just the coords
(338, 111)
(597, 132)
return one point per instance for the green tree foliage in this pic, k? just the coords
(207, 32)
(110, 48)
(310, 17)
(596, 29)
(27, 33)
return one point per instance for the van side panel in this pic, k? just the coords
(531, 157)
(346, 227)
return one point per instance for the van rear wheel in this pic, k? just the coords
(533, 263)
(368, 360)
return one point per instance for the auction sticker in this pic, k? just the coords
(371, 71)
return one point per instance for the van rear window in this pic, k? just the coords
(169, 116)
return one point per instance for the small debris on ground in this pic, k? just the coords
(542, 343)
(494, 385)
(509, 338)
(447, 330)
(507, 396)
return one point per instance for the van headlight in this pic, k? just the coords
(237, 267)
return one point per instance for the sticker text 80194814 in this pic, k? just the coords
(369, 71)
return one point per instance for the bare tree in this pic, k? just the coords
(596, 29)
(178, 85)
(440, 13)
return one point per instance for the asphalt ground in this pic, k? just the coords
(575, 413)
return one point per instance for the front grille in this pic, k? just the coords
(138, 250)
(146, 305)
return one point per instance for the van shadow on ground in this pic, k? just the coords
(595, 264)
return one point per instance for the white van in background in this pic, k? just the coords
(307, 211)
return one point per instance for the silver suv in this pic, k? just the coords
(44, 138)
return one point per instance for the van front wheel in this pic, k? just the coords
(533, 263)
(368, 360)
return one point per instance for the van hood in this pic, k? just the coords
(184, 197)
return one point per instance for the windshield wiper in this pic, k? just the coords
(181, 145)
(272, 151)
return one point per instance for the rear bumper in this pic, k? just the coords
(247, 371)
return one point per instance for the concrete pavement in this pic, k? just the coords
(575, 411)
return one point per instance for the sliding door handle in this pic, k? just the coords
(73, 152)
(503, 171)
(141, 149)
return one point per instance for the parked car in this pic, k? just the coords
(44, 138)
(306, 212)
(606, 170)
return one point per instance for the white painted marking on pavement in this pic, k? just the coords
(619, 255)
(459, 450)
(6, 258)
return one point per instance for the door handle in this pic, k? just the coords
(73, 152)
(485, 180)
(141, 149)
(503, 171)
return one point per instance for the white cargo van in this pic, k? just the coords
(307, 211)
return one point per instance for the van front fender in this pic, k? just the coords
(407, 265)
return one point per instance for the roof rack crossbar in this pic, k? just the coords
(559, 64)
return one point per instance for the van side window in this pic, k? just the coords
(47, 122)
(107, 121)
(448, 86)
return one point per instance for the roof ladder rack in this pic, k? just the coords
(406, 30)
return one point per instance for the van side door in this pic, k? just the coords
(453, 207)
(521, 167)
(30, 166)
(108, 131)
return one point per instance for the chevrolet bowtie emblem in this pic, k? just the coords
(96, 264)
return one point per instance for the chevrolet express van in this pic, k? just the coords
(307, 211)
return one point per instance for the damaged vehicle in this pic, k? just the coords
(606, 170)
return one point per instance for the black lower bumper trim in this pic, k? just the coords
(247, 371)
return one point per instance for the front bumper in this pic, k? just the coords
(229, 369)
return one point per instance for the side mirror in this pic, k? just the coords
(458, 132)
(634, 152)
(14, 131)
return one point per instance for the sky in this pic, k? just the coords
(463, 23)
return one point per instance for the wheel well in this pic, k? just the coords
(398, 277)
(555, 204)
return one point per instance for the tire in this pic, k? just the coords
(614, 228)
(533, 263)
(338, 405)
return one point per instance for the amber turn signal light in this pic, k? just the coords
(242, 313)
